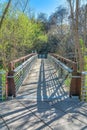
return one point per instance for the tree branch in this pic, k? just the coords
(4, 13)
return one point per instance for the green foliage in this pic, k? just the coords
(19, 35)
(85, 63)
(81, 42)
(67, 82)
(84, 51)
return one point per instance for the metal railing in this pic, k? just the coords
(18, 75)
(66, 61)
(2, 85)
(69, 74)
(64, 72)
(84, 86)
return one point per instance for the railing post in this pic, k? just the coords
(74, 65)
(10, 80)
(10, 84)
(75, 86)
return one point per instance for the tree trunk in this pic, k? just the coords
(77, 38)
(78, 51)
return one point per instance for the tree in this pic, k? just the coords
(42, 18)
(58, 29)
(58, 17)
(19, 35)
(4, 13)
(83, 23)
(74, 11)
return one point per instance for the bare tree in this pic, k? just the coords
(21, 5)
(25, 5)
(4, 13)
(74, 10)
(85, 24)
(42, 17)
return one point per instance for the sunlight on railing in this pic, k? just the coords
(20, 73)
(63, 71)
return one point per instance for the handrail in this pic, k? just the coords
(75, 85)
(68, 60)
(63, 72)
(23, 64)
(62, 64)
(11, 65)
(16, 76)
(84, 73)
(65, 60)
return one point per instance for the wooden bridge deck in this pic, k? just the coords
(41, 104)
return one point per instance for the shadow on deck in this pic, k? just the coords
(46, 104)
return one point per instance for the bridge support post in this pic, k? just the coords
(10, 84)
(75, 87)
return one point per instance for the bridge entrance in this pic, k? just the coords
(42, 55)
(44, 83)
(54, 78)
(42, 99)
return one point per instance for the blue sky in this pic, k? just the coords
(46, 6)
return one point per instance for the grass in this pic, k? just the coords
(67, 82)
